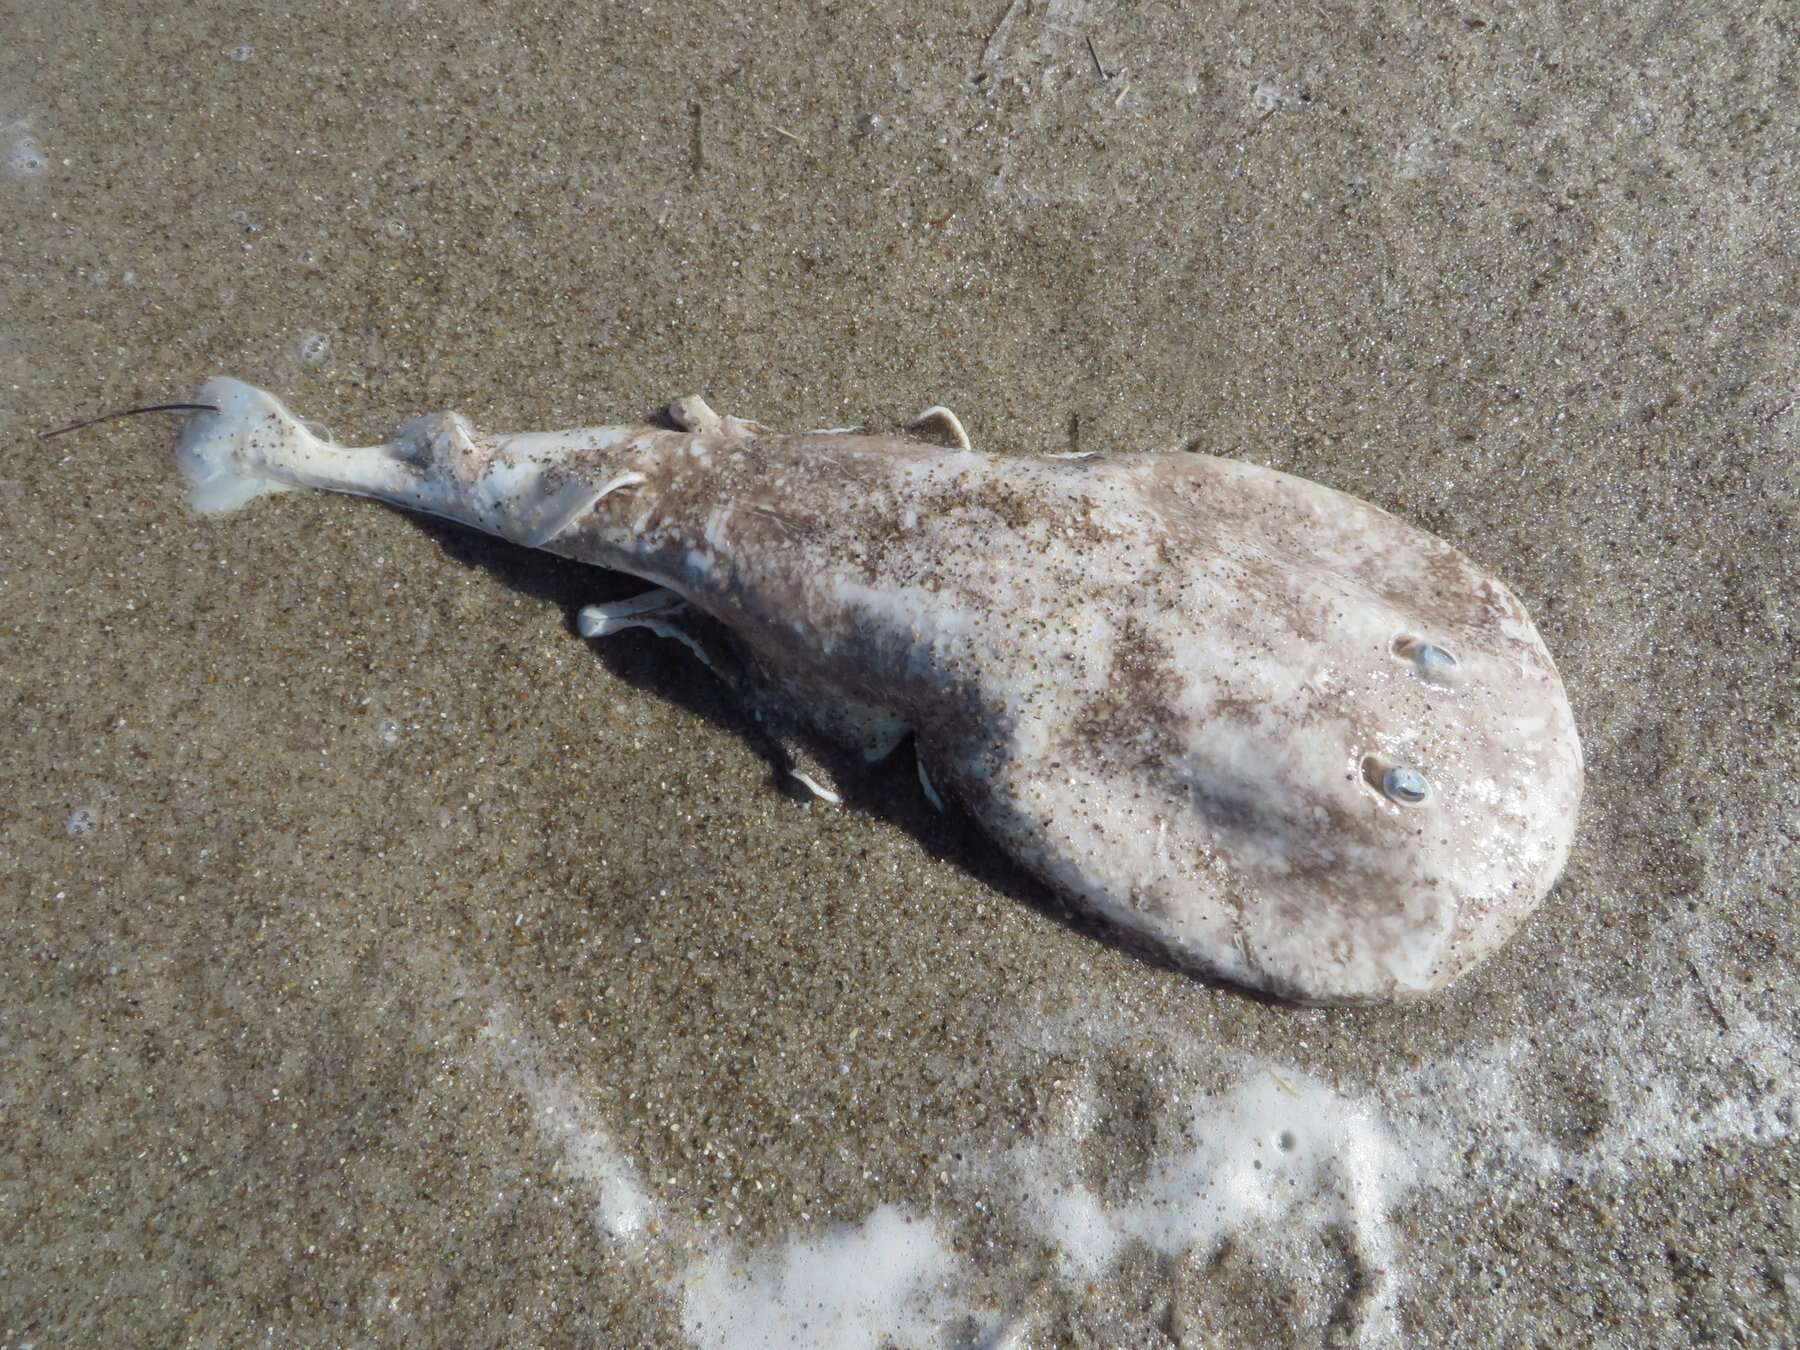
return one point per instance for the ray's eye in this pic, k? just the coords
(1406, 785)
(1434, 663)
(1397, 782)
(1432, 658)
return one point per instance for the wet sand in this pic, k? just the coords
(384, 964)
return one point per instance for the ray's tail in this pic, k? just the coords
(528, 488)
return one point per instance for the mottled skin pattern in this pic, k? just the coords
(1169, 685)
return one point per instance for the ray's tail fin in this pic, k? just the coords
(218, 451)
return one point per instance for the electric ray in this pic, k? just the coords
(1283, 735)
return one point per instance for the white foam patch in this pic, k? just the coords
(1482, 1096)
(1298, 1175)
(888, 1280)
(1277, 1154)
(620, 1207)
(1706, 1064)
(1705, 1067)
(21, 156)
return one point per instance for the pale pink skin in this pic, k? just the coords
(1193, 695)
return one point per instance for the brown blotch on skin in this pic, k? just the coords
(1141, 693)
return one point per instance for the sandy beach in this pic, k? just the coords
(384, 964)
